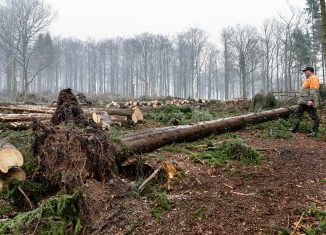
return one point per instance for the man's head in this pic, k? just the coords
(308, 71)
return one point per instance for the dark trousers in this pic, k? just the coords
(312, 113)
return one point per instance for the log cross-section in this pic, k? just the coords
(9, 157)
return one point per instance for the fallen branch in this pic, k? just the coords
(142, 186)
(243, 194)
(229, 186)
(297, 224)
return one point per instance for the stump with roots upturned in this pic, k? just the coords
(72, 149)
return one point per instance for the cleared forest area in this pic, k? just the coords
(81, 177)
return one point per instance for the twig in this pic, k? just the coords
(229, 186)
(27, 199)
(298, 223)
(243, 194)
(39, 220)
(198, 159)
(142, 186)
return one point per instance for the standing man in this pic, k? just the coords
(308, 101)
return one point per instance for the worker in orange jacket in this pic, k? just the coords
(308, 101)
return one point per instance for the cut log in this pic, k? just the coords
(17, 126)
(13, 117)
(137, 115)
(133, 115)
(9, 157)
(121, 112)
(154, 138)
(103, 118)
(28, 109)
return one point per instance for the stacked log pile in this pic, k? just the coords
(18, 117)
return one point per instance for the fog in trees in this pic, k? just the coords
(244, 61)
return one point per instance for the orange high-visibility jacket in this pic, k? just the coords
(309, 90)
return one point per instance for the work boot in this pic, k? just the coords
(312, 134)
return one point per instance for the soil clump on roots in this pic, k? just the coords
(75, 155)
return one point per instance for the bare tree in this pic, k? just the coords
(323, 14)
(269, 45)
(245, 43)
(21, 23)
(226, 36)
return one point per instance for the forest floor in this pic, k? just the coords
(284, 193)
(246, 199)
(235, 198)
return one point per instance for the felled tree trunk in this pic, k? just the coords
(22, 117)
(155, 138)
(27, 109)
(16, 126)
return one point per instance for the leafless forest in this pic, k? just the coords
(244, 61)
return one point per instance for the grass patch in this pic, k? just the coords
(231, 150)
(56, 215)
(281, 128)
(207, 142)
(313, 222)
(178, 115)
(160, 204)
(200, 116)
(173, 149)
(319, 217)
(35, 191)
(277, 129)
(5, 208)
(22, 140)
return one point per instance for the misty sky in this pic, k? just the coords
(98, 19)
